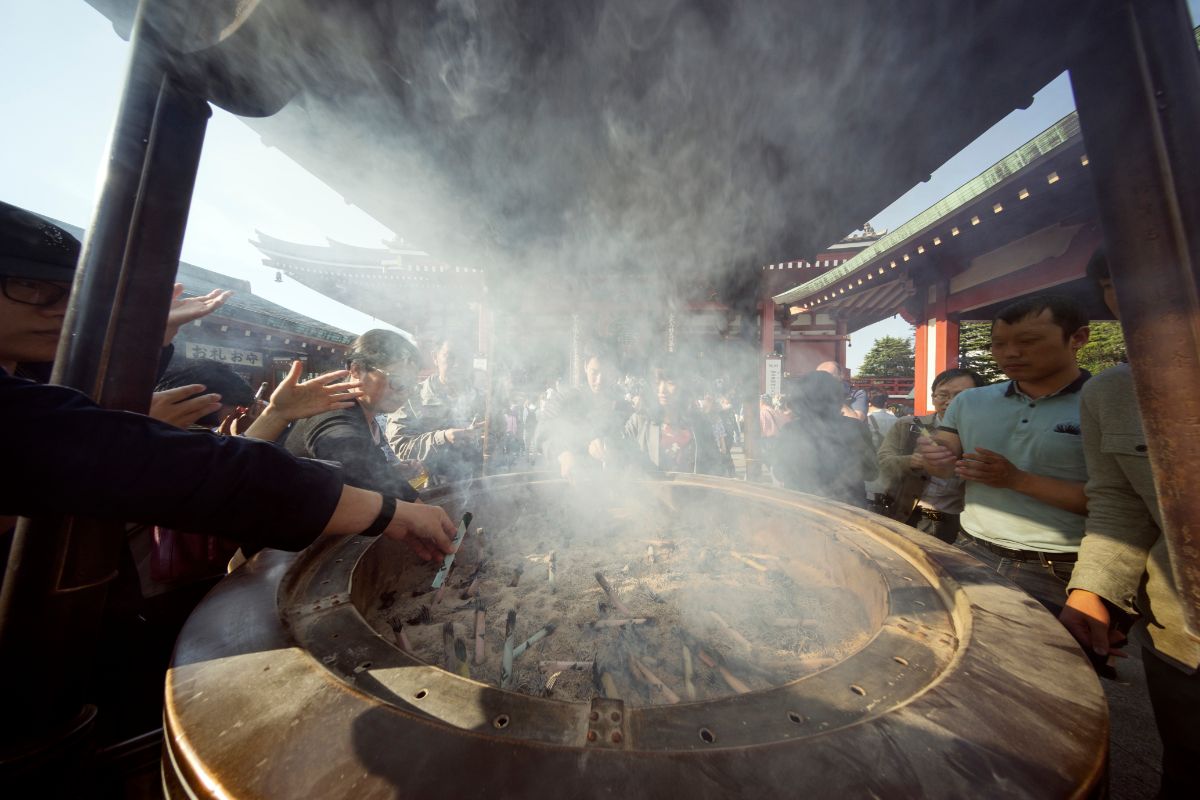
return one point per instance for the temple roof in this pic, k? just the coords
(243, 305)
(923, 230)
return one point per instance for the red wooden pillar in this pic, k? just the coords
(936, 347)
(840, 345)
(767, 316)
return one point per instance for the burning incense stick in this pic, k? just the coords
(565, 666)
(748, 562)
(551, 562)
(532, 640)
(731, 632)
(440, 577)
(460, 655)
(640, 670)
(553, 679)
(688, 685)
(733, 682)
(448, 642)
(480, 621)
(612, 596)
(473, 582)
(650, 553)
(506, 664)
(617, 623)
(602, 677)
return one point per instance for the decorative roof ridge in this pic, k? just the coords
(1057, 136)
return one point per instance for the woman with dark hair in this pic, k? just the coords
(917, 498)
(384, 364)
(821, 451)
(670, 431)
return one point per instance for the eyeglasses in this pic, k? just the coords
(943, 397)
(32, 292)
(394, 382)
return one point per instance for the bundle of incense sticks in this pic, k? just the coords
(532, 640)
(731, 632)
(506, 665)
(564, 666)
(448, 561)
(640, 670)
(618, 623)
(689, 684)
(747, 561)
(473, 582)
(480, 621)
(456, 652)
(612, 595)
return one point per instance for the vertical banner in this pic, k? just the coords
(773, 375)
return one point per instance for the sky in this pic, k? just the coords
(64, 69)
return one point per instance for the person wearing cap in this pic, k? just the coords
(80, 459)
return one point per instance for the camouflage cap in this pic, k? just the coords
(32, 247)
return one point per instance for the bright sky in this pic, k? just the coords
(64, 68)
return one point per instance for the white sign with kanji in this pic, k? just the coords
(774, 375)
(227, 355)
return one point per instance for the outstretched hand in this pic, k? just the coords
(189, 309)
(424, 528)
(183, 405)
(293, 400)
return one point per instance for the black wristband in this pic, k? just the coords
(386, 512)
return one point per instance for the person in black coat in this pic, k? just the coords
(385, 364)
(821, 451)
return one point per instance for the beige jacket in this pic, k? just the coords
(905, 485)
(1123, 557)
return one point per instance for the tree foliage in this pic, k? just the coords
(889, 357)
(1105, 348)
(975, 350)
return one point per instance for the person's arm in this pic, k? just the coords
(293, 400)
(73, 457)
(428, 530)
(1116, 545)
(894, 462)
(993, 469)
(941, 450)
(409, 441)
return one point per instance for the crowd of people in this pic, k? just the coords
(1044, 477)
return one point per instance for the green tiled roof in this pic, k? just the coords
(1060, 134)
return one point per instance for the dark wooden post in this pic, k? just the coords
(1138, 93)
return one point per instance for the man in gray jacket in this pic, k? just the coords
(1123, 565)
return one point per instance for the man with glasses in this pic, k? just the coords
(915, 497)
(1018, 447)
(384, 364)
(440, 426)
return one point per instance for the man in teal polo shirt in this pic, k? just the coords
(1018, 447)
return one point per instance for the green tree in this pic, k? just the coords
(975, 350)
(1105, 347)
(889, 357)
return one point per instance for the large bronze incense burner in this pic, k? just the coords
(829, 653)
